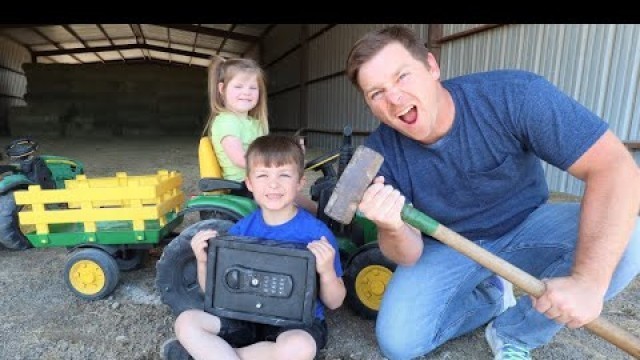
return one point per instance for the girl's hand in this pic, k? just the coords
(199, 244)
(324, 253)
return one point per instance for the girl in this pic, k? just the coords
(238, 99)
(237, 96)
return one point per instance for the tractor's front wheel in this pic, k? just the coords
(176, 271)
(11, 236)
(91, 274)
(366, 279)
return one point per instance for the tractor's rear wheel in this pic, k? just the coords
(366, 279)
(10, 234)
(91, 273)
(220, 214)
(176, 275)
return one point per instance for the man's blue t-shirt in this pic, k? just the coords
(303, 228)
(484, 177)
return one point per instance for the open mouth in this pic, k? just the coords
(409, 116)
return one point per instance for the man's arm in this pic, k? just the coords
(608, 214)
(398, 241)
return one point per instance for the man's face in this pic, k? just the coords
(274, 188)
(402, 92)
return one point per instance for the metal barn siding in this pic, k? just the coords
(333, 101)
(13, 82)
(316, 28)
(284, 111)
(279, 41)
(597, 64)
(452, 29)
(284, 73)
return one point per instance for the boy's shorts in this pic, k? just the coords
(239, 333)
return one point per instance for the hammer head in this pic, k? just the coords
(353, 182)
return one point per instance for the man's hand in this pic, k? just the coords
(570, 301)
(199, 244)
(324, 253)
(382, 204)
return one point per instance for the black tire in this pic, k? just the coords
(366, 278)
(11, 236)
(91, 273)
(220, 214)
(176, 277)
(130, 259)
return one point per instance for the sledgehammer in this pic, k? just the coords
(357, 177)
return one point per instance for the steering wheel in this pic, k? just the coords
(22, 147)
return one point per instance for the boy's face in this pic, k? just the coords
(274, 188)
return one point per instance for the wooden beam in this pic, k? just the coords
(632, 145)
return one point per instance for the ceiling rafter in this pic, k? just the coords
(121, 47)
(37, 31)
(137, 33)
(212, 32)
(110, 41)
(194, 43)
(78, 38)
(262, 36)
(224, 40)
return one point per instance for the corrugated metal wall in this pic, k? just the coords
(13, 83)
(308, 74)
(597, 64)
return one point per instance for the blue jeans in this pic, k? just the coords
(446, 294)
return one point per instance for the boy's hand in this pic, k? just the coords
(324, 253)
(199, 244)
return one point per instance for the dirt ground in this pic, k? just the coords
(41, 319)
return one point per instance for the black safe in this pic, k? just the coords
(262, 281)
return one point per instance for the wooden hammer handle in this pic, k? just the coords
(528, 283)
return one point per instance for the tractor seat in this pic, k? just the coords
(211, 180)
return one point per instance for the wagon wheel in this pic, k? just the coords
(366, 279)
(91, 274)
(176, 275)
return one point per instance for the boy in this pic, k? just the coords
(275, 166)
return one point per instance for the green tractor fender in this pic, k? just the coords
(62, 168)
(220, 206)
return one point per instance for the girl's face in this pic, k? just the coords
(241, 93)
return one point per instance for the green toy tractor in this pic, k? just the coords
(222, 203)
(107, 224)
(26, 167)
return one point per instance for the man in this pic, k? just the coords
(467, 152)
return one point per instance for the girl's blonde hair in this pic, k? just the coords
(222, 71)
